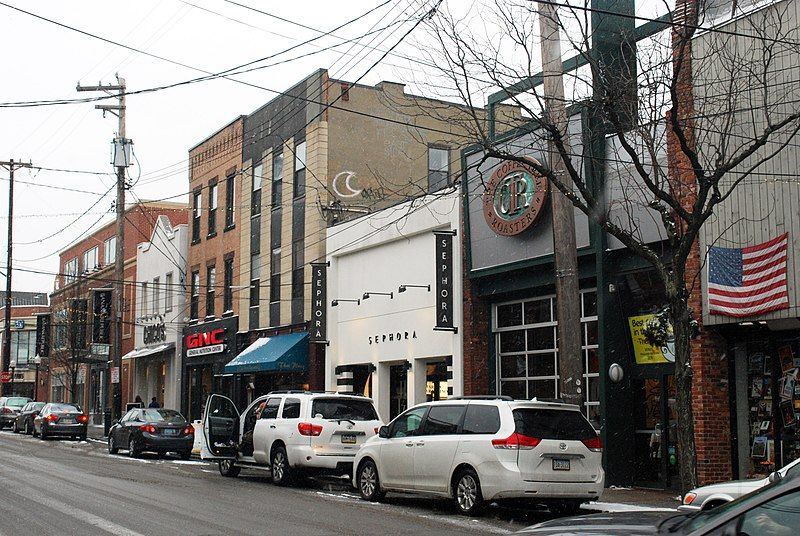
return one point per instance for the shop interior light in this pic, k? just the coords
(334, 303)
(403, 288)
(368, 294)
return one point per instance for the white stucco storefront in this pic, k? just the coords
(160, 309)
(386, 346)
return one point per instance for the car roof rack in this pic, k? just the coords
(307, 392)
(482, 397)
(548, 400)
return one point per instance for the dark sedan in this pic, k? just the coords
(773, 510)
(152, 430)
(63, 420)
(9, 408)
(24, 420)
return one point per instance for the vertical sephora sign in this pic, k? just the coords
(444, 281)
(319, 301)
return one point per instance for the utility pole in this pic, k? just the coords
(121, 161)
(11, 165)
(568, 313)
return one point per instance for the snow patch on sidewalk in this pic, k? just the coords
(622, 507)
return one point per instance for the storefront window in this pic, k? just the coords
(527, 351)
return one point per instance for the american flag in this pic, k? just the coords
(748, 281)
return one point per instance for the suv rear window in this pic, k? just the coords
(17, 401)
(552, 424)
(344, 408)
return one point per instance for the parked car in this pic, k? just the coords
(154, 430)
(24, 420)
(478, 449)
(713, 495)
(773, 510)
(60, 420)
(290, 432)
(9, 408)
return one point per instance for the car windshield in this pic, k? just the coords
(552, 424)
(64, 408)
(17, 401)
(169, 416)
(793, 469)
(344, 409)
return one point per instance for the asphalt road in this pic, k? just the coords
(63, 487)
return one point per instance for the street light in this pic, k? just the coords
(36, 361)
(403, 288)
(334, 303)
(368, 294)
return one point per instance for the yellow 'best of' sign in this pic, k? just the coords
(646, 353)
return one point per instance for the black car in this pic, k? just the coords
(24, 420)
(770, 511)
(9, 408)
(154, 430)
(64, 420)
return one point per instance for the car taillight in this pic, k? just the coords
(516, 442)
(375, 430)
(6, 410)
(189, 430)
(689, 498)
(52, 418)
(83, 418)
(594, 444)
(149, 428)
(309, 429)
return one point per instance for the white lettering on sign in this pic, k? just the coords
(205, 350)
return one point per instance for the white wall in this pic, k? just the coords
(378, 253)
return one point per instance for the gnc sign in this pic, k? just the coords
(204, 343)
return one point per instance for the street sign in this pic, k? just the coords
(19, 324)
(99, 348)
(114, 374)
(5, 377)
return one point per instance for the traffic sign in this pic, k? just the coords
(5, 377)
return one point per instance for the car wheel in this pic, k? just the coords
(43, 435)
(82, 437)
(467, 493)
(14, 427)
(35, 433)
(112, 444)
(133, 450)
(564, 508)
(369, 485)
(185, 454)
(28, 429)
(228, 468)
(281, 472)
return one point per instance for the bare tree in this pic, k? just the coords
(684, 128)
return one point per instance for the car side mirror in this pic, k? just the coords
(383, 432)
(775, 476)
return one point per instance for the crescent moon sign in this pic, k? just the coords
(348, 176)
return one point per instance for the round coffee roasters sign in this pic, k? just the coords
(514, 198)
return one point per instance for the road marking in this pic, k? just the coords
(81, 515)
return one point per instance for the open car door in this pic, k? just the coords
(220, 429)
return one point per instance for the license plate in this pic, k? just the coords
(170, 432)
(67, 421)
(560, 465)
(349, 438)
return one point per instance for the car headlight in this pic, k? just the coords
(689, 498)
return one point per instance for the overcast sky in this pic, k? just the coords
(43, 61)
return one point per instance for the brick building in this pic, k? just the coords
(25, 307)
(72, 372)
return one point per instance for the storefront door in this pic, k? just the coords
(655, 438)
(398, 390)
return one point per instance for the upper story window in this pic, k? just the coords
(212, 209)
(71, 270)
(197, 209)
(156, 294)
(110, 250)
(300, 169)
(211, 287)
(230, 194)
(168, 291)
(145, 298)
(90, 259)
(255, 202)
(277, 177)
(438, 168)
(194, 295)
(714, 12)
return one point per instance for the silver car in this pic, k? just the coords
(707, 497)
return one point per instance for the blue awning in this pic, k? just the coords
(282, 353)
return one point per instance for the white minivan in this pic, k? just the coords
(288, 432)
(479, 449)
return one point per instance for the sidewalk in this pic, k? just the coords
(655, 498)
(95, 431)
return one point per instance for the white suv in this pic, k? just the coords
(288, 432)
(478, 449)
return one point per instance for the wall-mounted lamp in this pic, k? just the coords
(334, 303)
(368, 294)
(403, 288)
